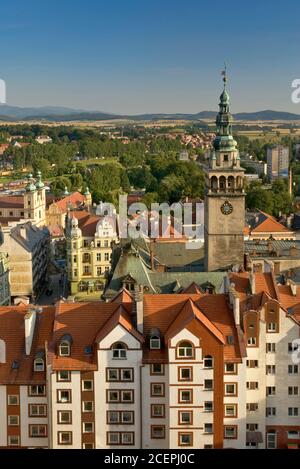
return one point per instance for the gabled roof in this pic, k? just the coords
(188, 313)
(120, 316)
(74, 200)
(267, 224)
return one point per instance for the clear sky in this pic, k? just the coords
(136, 56)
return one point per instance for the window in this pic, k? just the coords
(124, 417)
(185, 418)
(270, 411)
(63, 375)
(208, 406)
(127, 438)
(185, 396)
(87, 406)
(230, 410)
(116, 395)
(120, 438)
(127, 417)
(208, 428)
(230, 368)
(293, 411)
(113, 416)
(87, 385)
(271, 440)
(252, 363)
(99, 271)
(157, 410)
(126, 374)
(113, 438)
(38, 364)
(251, 341)
(63, 396)
(64, 438)
(208, 384)
(13, 440)
(13, 420)
(293, 390)
(185, 373)
(37, 390)
(157, 432)
(64, 416)
(270, 347)
(157, 389)
(37, 410)
(64, 349)
(185, 350)
(292, 346)
(88, 427)
(270, 369)
(112, 374)
(230, 431)
(185, 439)
(230, 389)
(119, 351)
(293, 369)
(230, 340)
(154, 342)
(208, 361)
(293, 434)
(13, 399)
(37, 430)
(270, 391)
(119, 374)
(98, 256)
(251, 385)
(106, 256)
(157, 369)
(271, 327)
(252, 407)
(252, 427)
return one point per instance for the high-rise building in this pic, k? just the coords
(278, 162)
(225, 197)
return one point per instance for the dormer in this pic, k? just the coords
(64, 345)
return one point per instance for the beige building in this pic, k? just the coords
(89, 248)
(278, 160)
(4, 275)
(27, 247)
(155, 371)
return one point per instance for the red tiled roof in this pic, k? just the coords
(74, 200)
(12, 201)
(270, 225)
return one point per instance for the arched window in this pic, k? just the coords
(119, 351)
(231, 183)
(65, 346)
(214, 183)
(38, 364)
(208, 361)
(185, 350)
(222, 182)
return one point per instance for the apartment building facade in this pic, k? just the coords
(278, 162)
(155, 371)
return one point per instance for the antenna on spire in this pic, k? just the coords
(224, 74)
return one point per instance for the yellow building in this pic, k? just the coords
(89, 248)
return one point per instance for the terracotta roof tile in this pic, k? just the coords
(75, 200)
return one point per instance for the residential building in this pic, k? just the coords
(188, 370)
(262, 226)
(89, 249)
(4, 275)
(278, 162)
(27, 247)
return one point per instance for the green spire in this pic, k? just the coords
(30, 187)
(39, 184)
(224, 140)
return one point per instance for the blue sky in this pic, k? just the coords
(149, 55)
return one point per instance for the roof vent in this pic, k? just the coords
(88, 350)
(15, 365)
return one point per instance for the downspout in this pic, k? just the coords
(141, 407)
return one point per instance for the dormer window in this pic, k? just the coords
(119, 351)
(154, 342)
(185, 350)
(65, 346)
(38, 364)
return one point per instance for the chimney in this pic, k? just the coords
(235, 303)
(138, 308)
(293, 286)
(29, 319)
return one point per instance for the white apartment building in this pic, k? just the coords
(151, 371)
(278, 162)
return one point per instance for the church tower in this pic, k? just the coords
(224, 196)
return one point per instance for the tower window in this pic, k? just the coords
(226, 158)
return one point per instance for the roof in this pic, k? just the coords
(262, 222)
(73, 200)
(12, 201)
(160, 311)
(12, 331)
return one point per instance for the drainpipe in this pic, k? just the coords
(141, 407)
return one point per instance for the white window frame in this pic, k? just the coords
(155, 343)
(87, 381)
(39, 364)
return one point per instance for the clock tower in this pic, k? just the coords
(224, 196)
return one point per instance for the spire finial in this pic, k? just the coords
(224, 74)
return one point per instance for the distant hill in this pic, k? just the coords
(60, 113)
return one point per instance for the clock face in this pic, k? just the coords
(226, 208)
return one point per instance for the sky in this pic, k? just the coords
(144, 56)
